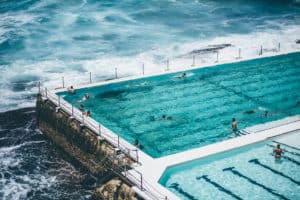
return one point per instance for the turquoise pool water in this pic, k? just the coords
(247, 173)
(201, 104)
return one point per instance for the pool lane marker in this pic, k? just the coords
(219, 187)
(256, 162)
(177, 187)
(235, 172)
(291, 159)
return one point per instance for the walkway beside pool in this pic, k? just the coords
(291, 140)
(153, 169)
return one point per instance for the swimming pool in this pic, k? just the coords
(250, 172)
(200, 106)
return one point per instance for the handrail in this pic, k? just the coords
(108, 135)
(93, 125)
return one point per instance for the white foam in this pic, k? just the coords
(76, 72)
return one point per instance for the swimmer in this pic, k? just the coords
(164, 117)
(234, 125)
(183, 75)
(86, 97)
(81, 108)
(267, 114)
(278, 151)
(138, 144)
(250, 111)
(144, 83)
(71, 89)
(87, 113)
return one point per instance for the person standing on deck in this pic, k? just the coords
(234, 125)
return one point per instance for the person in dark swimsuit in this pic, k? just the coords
(138, 144)
(278, 151)
(234, 125)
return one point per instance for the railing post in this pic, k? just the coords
(240, 52)
(58, 101)
(72, 110)
(279, 47)
(143, 69)
(125, 170)
(63, 82)
(46, 92)
(39, 87)
(261, 51)
(141, 181)
(90, 77)
(217, 57)
(116, 72)
(193, 64)
(168, 65)
(82, 118)
(137, 155)
(99, 130)
(118, 141)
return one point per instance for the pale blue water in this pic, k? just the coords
(247, 173)
(201, 105)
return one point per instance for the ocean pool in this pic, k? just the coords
(200, 105)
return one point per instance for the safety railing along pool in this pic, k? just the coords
(135, 177)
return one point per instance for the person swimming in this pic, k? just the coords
(250, 111)
(183, 75)
(85, 97)
(138, 144)
(267, 114)
(87, 113)
(164, 117)
(81, 108)
(278, 151)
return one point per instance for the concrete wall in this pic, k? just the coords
(82, 144)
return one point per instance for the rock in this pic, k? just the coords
(298, 41)
(114, 189)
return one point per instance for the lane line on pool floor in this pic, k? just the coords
(237, 173)
(257, 162)
(218, 186)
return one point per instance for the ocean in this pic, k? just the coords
(45, 40)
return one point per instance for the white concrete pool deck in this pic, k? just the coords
(291, 139)
(175, 70)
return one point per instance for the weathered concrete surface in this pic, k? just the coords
(82, 144)
(115, 189)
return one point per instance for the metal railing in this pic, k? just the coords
(260, 51)
(134, 178)
(96, 127)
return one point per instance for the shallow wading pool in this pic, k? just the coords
(199, 107)
(250, 172)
